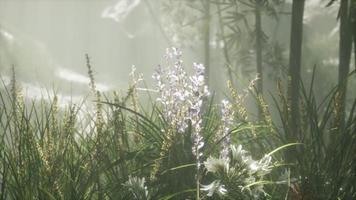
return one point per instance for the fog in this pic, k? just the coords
(177, 99)
(46, 41)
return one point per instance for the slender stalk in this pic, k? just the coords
(198, 175)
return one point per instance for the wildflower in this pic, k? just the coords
(215, 165)
(265, 164)
(214, 187)
(238, 154)
(285, 178)
(135, 78)
(238, 171)
(178, 90)
(171, 83)
(227, 120)
(137, 187)
(181, 97)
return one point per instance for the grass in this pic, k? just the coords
(325, 163)
(120, 150)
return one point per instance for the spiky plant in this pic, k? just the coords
(237, 176)
(96, 148)
(324, 167)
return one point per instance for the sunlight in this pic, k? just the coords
(7, 35)
(35, 92)
(316, 8)
(75, 77)
(120, 10)
(231, 99)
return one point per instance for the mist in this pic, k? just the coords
(177, 99)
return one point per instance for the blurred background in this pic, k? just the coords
(46, 41)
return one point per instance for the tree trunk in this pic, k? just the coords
(258, 32)
(295, 56)
(345, 48)
(207, 42)
(225, 48)
(353, 24)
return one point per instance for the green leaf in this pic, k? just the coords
(283, 147)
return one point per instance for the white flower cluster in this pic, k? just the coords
(181, 95)
(239, 170)
(136, 186)
(227, 118)
(260, 167)
(214, 187)
(135, 78)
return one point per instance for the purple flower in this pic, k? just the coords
(181, 95)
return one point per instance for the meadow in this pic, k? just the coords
(183, 145)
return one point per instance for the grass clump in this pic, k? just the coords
(183, 147)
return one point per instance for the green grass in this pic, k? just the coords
(119, 150)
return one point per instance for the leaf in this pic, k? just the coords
(178, 193)
(331, 2)
(179, 167)
(49, 195)
(257, 183)
(282, 147)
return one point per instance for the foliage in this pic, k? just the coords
(182, 147)
(114, 149)
(324, 163)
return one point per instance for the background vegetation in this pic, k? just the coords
(285, 128)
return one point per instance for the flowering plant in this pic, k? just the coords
(238, 175)
(181, 96)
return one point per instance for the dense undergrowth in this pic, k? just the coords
(183, 146)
